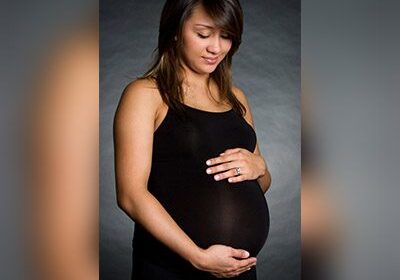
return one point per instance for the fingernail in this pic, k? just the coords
(221, 154)
(216, 177)
(208, 171)
(246, 254)
(230, 180)
(208, 162)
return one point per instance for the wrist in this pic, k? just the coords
(198, 257)
(263, 171)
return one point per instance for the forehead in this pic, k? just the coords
(200, 18)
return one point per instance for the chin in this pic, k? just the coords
(209, 69)
(204, 69)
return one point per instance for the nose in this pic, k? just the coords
(215, 45)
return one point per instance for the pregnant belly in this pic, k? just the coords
(212, 212)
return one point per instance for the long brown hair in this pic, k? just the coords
(165, 70)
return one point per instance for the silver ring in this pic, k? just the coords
(237, 170)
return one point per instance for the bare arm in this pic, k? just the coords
(133, 140)
(63, 126)
(264, 180)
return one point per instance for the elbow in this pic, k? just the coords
(269, 179)
(265, 181)
(129, 204)
(124, 204)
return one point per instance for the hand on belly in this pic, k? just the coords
(236, 165)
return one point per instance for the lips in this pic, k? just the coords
(210, 60)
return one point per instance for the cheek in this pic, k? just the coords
(227, 46)
(193, 45)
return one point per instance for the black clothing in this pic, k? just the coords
(210, 212)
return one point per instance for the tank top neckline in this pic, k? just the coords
(206, 112)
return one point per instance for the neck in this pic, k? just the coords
(195, 80)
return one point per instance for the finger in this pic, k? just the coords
(239, 253)
(244, 269)
(230, 151)
(221, 167)
(237, 272)
(233, 274)
(247, 262)
(237, 150)
(238, 269)
(224, 175)
(224, 158)
(224, 275)
(237, 179)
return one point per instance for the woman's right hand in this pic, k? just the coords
(224, 261)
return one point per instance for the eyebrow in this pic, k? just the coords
(205, 25)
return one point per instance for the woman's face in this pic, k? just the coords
(204, 45)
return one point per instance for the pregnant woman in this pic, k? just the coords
(188, 168)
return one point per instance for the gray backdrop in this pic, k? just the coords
(266, 68)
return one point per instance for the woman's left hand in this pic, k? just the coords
(236, 165)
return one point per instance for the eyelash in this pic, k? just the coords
(205, 37)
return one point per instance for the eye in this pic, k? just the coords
(225, 36)
(202, 36)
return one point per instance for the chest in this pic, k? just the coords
(202, 135)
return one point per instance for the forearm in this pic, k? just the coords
(265, 178)
(265, 181)
(145, 209)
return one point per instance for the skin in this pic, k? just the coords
(63, 196)
(140, 112)
(202, 40)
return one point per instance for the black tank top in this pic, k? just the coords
(208, 211)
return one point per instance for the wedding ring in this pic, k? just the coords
(237, 170)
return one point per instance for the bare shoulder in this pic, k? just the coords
(140, 96)
(239, 94)
(141, 84)
(143, 91)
